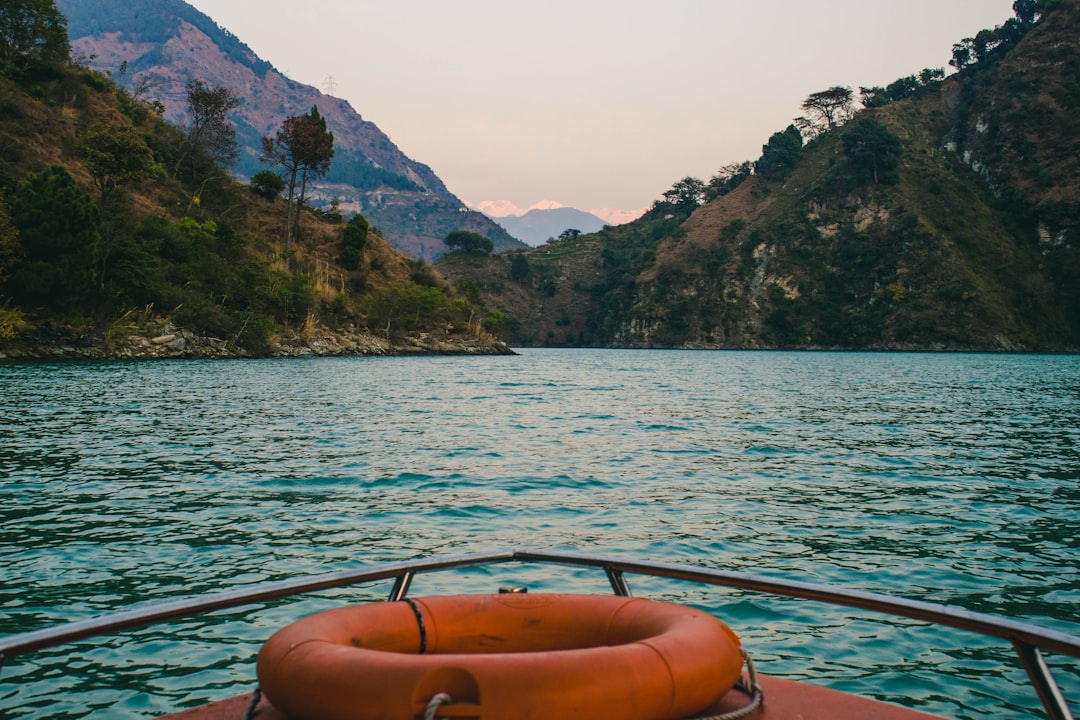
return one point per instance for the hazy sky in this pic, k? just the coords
(593, 103)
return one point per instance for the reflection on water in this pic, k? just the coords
(949, 478)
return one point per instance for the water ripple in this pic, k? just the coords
(950, 478)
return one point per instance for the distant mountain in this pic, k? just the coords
(538, 226)
(154, 47)
(945, 215)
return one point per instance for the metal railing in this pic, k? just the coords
(1029, 641)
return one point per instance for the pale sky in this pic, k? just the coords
(593, 103)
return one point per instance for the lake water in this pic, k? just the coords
(940, 477)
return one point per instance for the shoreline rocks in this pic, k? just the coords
(166, 341)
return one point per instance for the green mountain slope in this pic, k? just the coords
(964, 238)
(154, 47)
(105, 252)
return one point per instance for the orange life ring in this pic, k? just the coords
(502, 657)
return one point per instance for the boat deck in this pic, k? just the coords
(784, 700)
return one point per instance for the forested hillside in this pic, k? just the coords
(939, 212)
(123, 235)
(154, 48)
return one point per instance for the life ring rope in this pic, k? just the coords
(250, 711)
(433, 705)
(747, 685)
(420, 622)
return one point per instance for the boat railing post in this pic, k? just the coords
(401, 586)
(1039, 674)
(617, 580)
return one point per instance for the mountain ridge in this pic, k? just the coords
(540, 225)
(945, 216)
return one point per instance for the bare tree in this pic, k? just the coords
(144, 83)
(210, 135)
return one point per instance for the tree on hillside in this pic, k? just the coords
(469, 242)
(874, 96)
(827, 110)
(58, 225)
(987, 44)
(963, 54)
(901, 88)
(1027, 11)
(353, 241)
(115, 155)
(519, 267)
(303, 148)
(686, 195)
(32, 31)
(319, 151)
(780, 156)
(267, 184)
(10, 246)
(209, 134)
(727, 179)
(873, 152)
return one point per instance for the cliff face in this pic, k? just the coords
(972, 245)
(1017, 123)
(154, 47)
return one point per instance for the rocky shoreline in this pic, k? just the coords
(168, 341)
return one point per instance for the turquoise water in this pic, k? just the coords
(947, 478)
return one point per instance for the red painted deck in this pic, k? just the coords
(784, 700)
